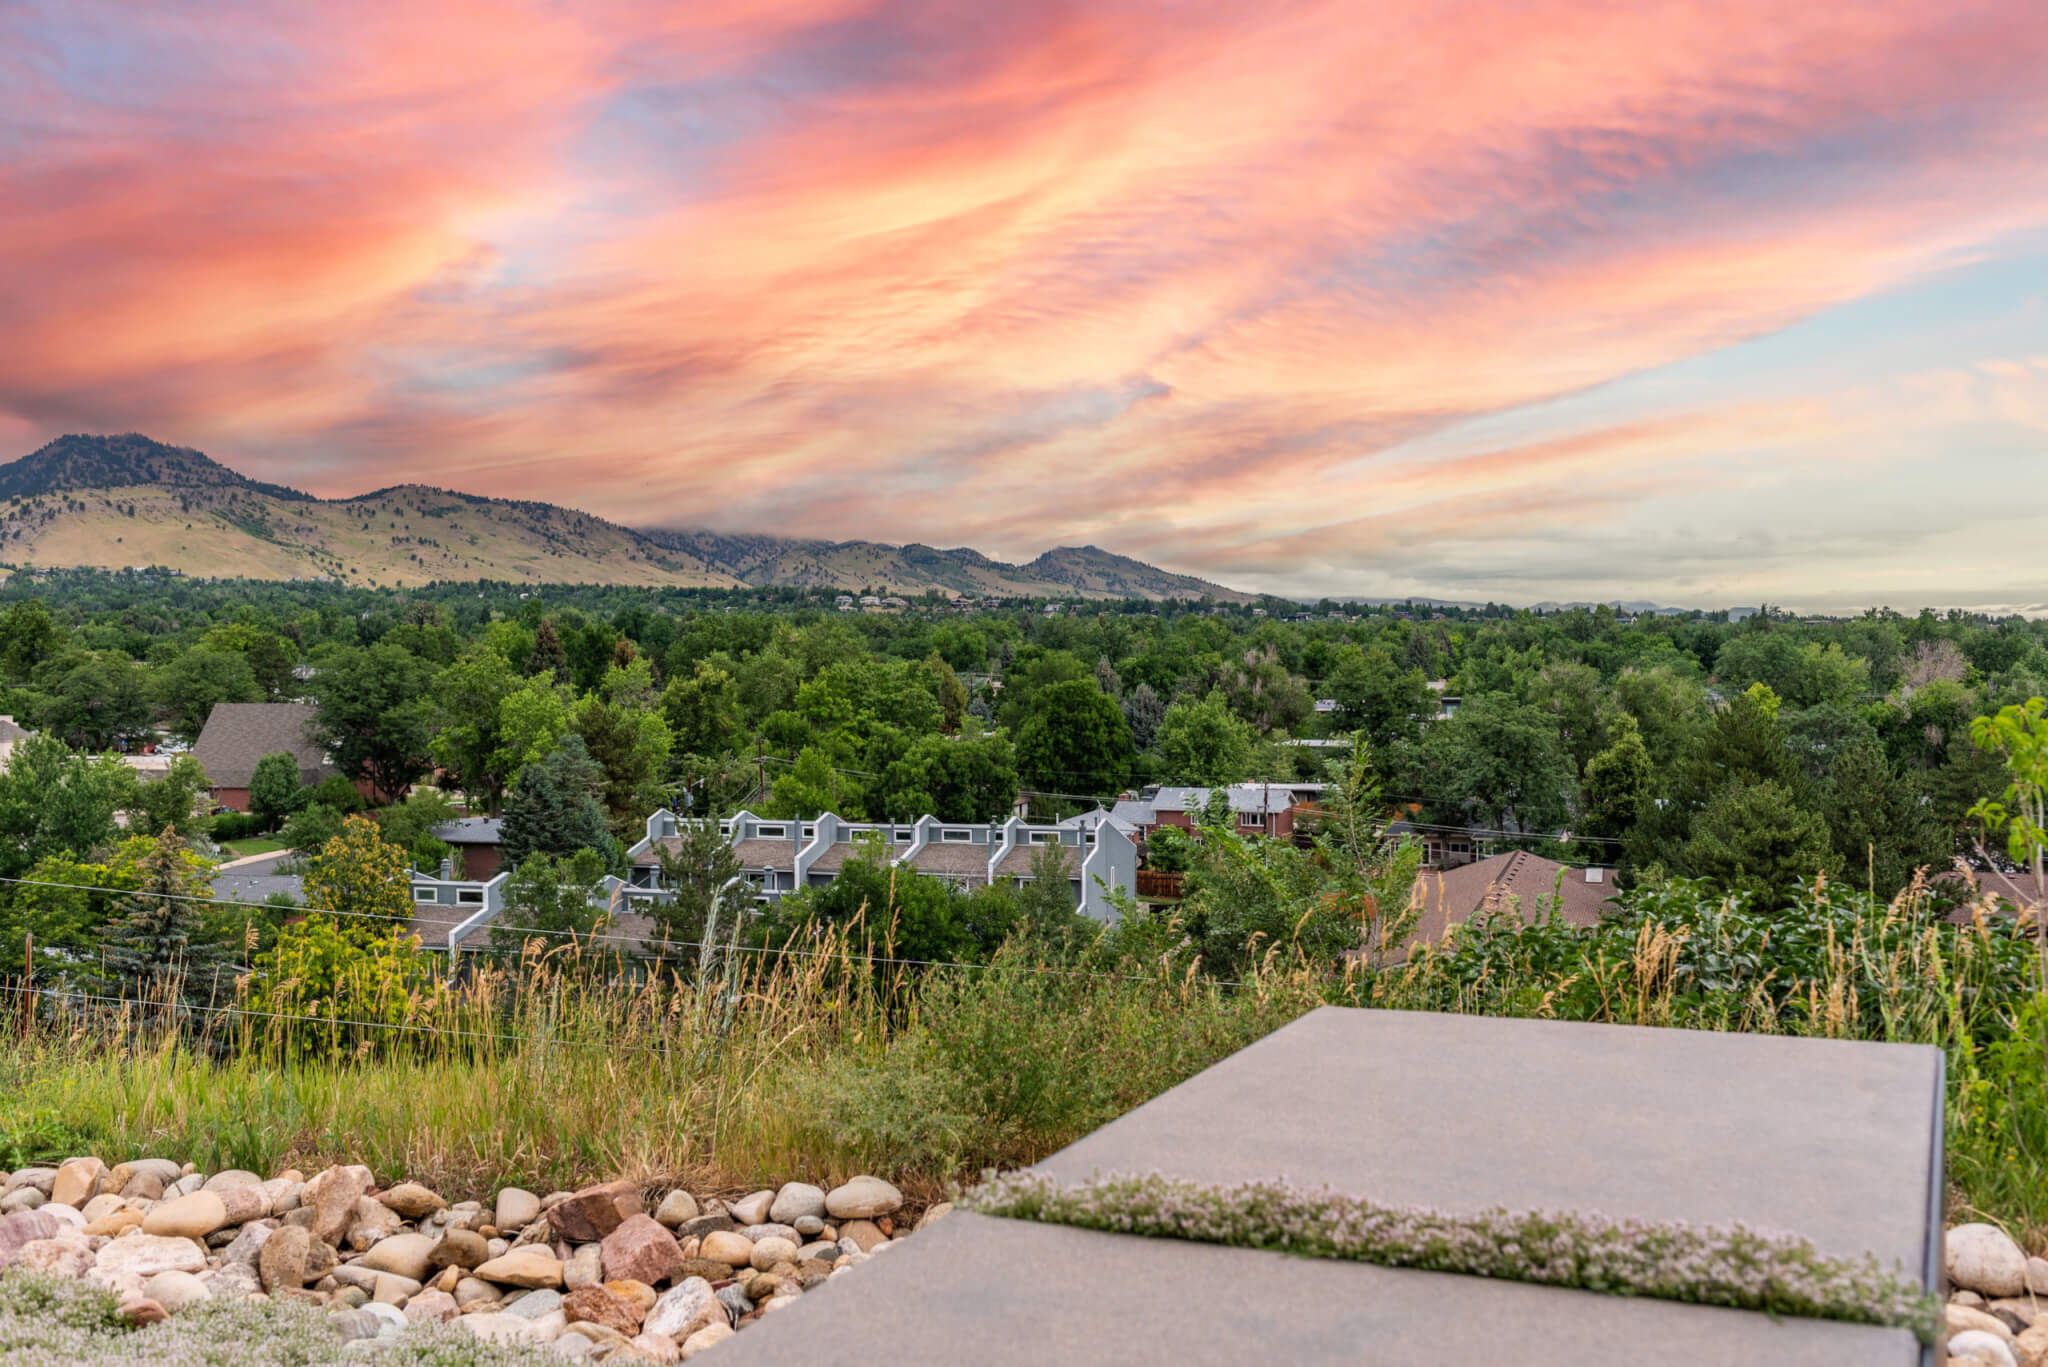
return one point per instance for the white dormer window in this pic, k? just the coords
(422, 894)
(771, 832)
(904, 837)
(956, 835)
(810, 831)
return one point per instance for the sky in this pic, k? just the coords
(1699, 303)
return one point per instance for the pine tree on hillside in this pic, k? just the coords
(157, 938)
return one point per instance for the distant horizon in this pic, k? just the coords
(1685, 300)
(1631, 602)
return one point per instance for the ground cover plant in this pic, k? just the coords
(1779, 1274)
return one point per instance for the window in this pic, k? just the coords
(1250, 819)
(810, 831)
(422, 894)
(470, 897)
(1596, 875)
(956, 836)
(1045, 837)
(904, 837)
(770, 832)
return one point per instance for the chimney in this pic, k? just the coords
(447, 870)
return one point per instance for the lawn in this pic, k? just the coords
(255, 844)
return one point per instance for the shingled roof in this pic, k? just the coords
(1520, 881)
(237, 734)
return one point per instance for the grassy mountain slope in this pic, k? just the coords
(119, 501)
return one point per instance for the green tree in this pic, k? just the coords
(1877, 822)
(1580, 706)
(549, 660)
(272, 660)
(346, 986)
(1670, 710)
(469, 697)
(156, 945)
(186, 690)
(94, 700)
(410, 824)
(2018, 734)
(174, 799)
(531, 720)
(1376, 695)
(630, 742)
(553, 807)
(1204, 743)
(307, 831)
(1760, 839)
(28, 636)
(54, 801)
(360, 875)
(1074, 741)
(1619, 782)
(952, 779)
(1144, 710)
(700, 874)
(550, 900)
(811, 786)
(374, 715)
(703, 711)
(1504, 760)
(274, 788)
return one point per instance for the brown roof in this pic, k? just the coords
(1017, 863)
(953, 859)
(651, 856)
(237, 734)
(1992, 886)
(432, 923)
(766, 854)
(1524, 882)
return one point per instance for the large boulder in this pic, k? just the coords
(77, 1181)
(641, 1250)
(1982, 1258)
(531, 1266)
(331, 1196)
(124, 1264)
(188, 1217)
(594, 1212)
(796, 1201)
(22, 1227)
(863, 1198)
(404, 1255)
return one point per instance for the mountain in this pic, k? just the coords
(117, 501)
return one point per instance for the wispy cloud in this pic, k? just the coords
(1317, 296)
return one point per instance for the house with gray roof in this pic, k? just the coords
(239, 734)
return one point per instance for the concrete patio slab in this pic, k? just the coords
(1831, 1139)
(972, 1289)
(1836, 1141)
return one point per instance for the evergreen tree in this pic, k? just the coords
(157, 940)
(554, 805)
(549, 657)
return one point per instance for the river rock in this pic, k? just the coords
(864, 1235)
(585, 1267)
(412, 1201)
(594, 1212)
(188, 1217)
(935, 1214)
(648, 1348)
(22, 1227)
(405, 1255)
(595, 1305)
(431, 1305)
(331, 1196)
(705, 1339)
(683, 1309)
(459, 1248)
(77, 1181)
(724, 1246)
(494, 1326)
(1980, 1349)
(531, 1266)
(143, 1186)
(291, 1257)
(231, 1179)
(124, 1264)
(795, 1201)
(516, 1209)
(176, 1290)
(752, 1209)
(372, 1223)
(676, 1207)
(63, 1256)
(641, 1250)
(770, 1251)
(863, 1198)
(1981, 1258)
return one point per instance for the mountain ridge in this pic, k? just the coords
(128, 500)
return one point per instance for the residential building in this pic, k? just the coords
(479, 841)
(238, 734)
(778, 858)
(1268, 809)
(1525, 884)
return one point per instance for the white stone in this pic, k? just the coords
(753, 1209)
(676, 1207)
(495, 1326)
(404, 1254)
(517, 1208)
(795, 1201)
(863, 1198)
(680, 1306)
(176, 1290)
(1981, 1258)
(706, 1338)
(771, 1251)
(124, 1264)
(1974, 1345)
